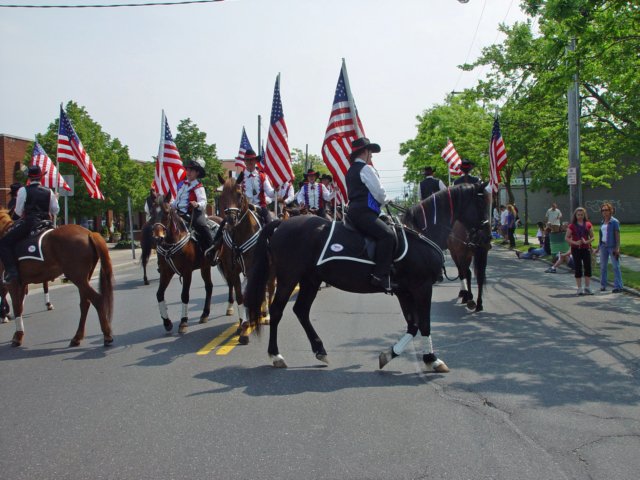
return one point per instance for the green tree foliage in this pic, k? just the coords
(301, 163)
(192, 143)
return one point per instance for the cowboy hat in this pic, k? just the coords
(198, 165)
(428, 170)
(466, 164)
(34, 172)
(251, 155)
(311, 171)
(363, 143)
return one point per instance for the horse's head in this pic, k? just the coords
(473, 211)
(168, 226)
(233, 202)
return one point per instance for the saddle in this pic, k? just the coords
(30, 247)
(346, 243)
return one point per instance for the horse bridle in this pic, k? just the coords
(168, 250)
(240, 250)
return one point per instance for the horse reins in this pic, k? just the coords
(240, 250)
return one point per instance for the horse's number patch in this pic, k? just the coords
(336, 247)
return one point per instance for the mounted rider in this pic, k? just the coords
(191, 204)
(256, 186)
(34, 203)
(11, 204)
(430, 185)
(313, 195)
(466, 166)
(366, 196)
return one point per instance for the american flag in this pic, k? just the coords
(497, 156)
(344, 127)
(452, 158)
(277, 159)
(70, 150)
(51, 177)
(169, 169)
(244, 146)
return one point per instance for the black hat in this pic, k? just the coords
(311, 171)
(363, 143)
(428, 170)
(251, 155)
(34, 172)
(466, 165)
(14, 187)
(326, 176)
(198, 165)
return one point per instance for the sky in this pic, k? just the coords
(216, 63)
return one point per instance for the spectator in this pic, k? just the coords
(511, 225)
(609, 248)
(541, 233)
(545, 248)
(496, 219)
(559, 260)
(503, 223)
(553, 217)
(579, 236)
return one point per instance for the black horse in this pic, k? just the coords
(418, 265)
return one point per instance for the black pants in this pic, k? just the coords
(199, 223)
(368, 223)
(581, 259)
(18, 231)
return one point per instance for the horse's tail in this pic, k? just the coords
(106, 274)
(258, 276)
(146, 243)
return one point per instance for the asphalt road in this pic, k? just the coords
(543, 385)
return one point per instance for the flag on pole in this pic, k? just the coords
(497, 156)
(70, 150)
(169, 169)
(244, 146)
(344, 127)
(50, 178)
(277, 159)
(450, 155)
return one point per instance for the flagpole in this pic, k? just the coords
(352, 103)
(159, 161)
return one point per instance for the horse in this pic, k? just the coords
(147, 241)
(72, 251)
(297, 251)
(241, 230)
(467, 246)
(4, 304)
(179, 254)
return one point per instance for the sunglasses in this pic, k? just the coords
(605, 210)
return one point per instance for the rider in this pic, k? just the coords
(34, 203)
(465, 166)
(313, 195)
(366, 195)
(430, 185)
(285, 195)
(150, 203)
(191, 202)
(257, 186)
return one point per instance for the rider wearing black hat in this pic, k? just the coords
(465, 166)
(191, 203)
(430, 184)
(34, 203)
(366, 196)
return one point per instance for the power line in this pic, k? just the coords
(115, 5)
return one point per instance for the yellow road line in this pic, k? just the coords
(232, 343)
(218, 340)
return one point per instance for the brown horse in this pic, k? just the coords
(72, 251)
(4, 304)
(179, 254)
(241, 231)
(466, 246)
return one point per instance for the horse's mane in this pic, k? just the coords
(416, 215)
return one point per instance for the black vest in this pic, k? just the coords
(429, 186)
(357, 191)
(466, 178)
(37, 201)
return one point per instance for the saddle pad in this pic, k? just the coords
(346, 244)
(31, 247)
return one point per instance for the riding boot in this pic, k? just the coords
(10, 271)
(212, 252)
(384, 282)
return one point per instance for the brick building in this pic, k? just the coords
(12, 152)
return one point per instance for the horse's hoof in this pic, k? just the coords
(278, 361)
(243, 340)
(4, 320)
(229, 311)
(108, 341)
(146, 282)
(182, 329)
(322, 357)
(74, 342)
(49, 306)
(16, 341)
(471, 305)
(437, 366)
(204, 319)
(479, 308)
(168, 324)
(384, 358)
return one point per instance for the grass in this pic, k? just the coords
(629, 245)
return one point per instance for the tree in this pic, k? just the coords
(300, 163)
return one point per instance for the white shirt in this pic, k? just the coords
(287, 193)
(554, 216)
(252, 187)
(370, 178)
(21, 197)
(182, 198)
(314, 191)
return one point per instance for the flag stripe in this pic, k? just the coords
(277, 160)
(169, 168)
(450, 155)
(51, 177)
(497, 156)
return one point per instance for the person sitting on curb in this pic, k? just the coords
(534, 253)
(560, 259)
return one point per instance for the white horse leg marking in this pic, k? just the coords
(463, 285)
(46, 299)
(399, 347)
(437, 365)
(163, 309)
(19, 324)
(185, 308)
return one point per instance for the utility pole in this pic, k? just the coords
(574, 177)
